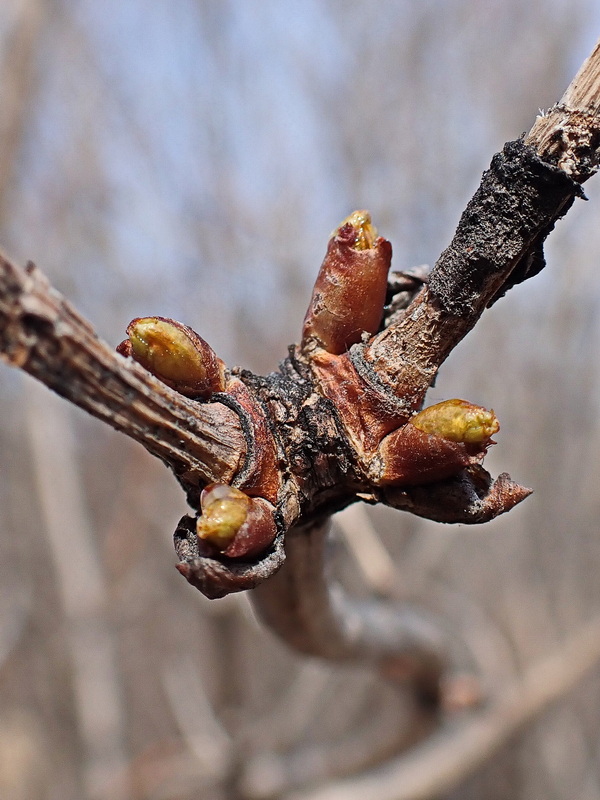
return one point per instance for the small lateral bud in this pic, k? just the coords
(435, 444)
(458, 421)
(234, 523)
(224, 511)
(350, 290)
(176, 354)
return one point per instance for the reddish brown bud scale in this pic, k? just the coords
(410, 456)
(176, 355)
(364, 412)
(349, 293)
(125, 348)
(261, 475)
(256, 534)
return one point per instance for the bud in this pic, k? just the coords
(364, 232)
(224, 511)
(350, 290)
(437, 443)
(234, 523)
(176, 354)
(458, 421)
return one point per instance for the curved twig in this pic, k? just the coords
(314, 615)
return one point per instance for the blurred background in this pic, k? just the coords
(189, 160)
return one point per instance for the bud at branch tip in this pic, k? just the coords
(349, 292)
(365, 232)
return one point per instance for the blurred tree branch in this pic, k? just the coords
(17, 75)
(461, 746)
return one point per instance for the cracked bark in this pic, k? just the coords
(306, 439)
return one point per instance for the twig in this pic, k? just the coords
(569, 131)
(568, 138)
(312, 613)
(41, 333)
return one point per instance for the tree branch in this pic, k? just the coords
(314, 615)
(337, 422)
(41, 333)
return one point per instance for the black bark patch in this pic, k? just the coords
(502, 228)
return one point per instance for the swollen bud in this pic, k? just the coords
(458, 421)
(233, 523)
(350, 290)
(435, 444)
(224, 511)
(176, 354)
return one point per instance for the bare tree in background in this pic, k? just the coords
(100, 169)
